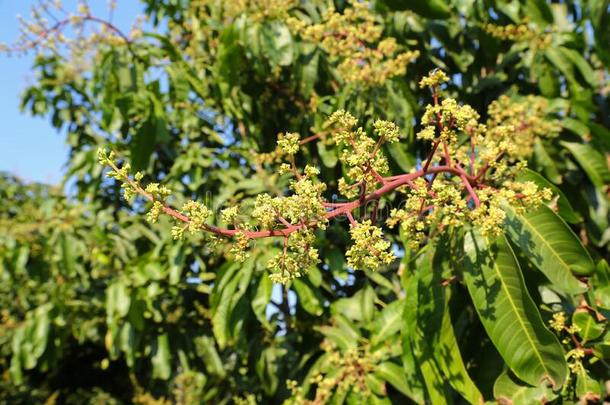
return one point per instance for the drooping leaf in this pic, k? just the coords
(508, 389)
(587, 389)
(394, 374)
(551, 246)
(309, 297)
(544, 160)
(207, 349)
(508, 313)
(161, 358)
(388, 323)
(261, 299)
(419, 321)
(433, 337)
(592, 161)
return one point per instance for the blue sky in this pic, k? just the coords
(30, 147)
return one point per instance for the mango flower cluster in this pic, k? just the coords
(359, 152)
(343, 371)
(530, 118)
(468, 177)
(574, 345)
(521, 33)
(258, 10)
(354, 40)
(477, 178)
(44, 32)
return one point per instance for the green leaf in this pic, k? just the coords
(267, 368)
(544, 161)
(277, 43)
(375, 384)
(576, 127)
(426, 8)
(359, 307)
(328, 155)
(448, 355)
(562, 64)
(508, 389)
(206, 348)
(388, 323)
(592, 161)
(410, 368)
(161, 358)
(551, 246)
(539, 11)
(587, 389)
(309, 72)
(117, 300)
(590, 329)
(309, 297)
(261, 299)
(508, 313)
(344, 335)
(601, 284)
(35, 335)
(226, 296)
(143, 144)
(433, 337)
(395, 375)
(581, 64)
(422, 320)
(436, 386)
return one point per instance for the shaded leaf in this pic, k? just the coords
(509, 315)
(551, 246)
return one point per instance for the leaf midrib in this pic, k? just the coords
(512, 303)
(548, 244)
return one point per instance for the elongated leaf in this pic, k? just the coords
(376, 384)
(544, 160)
(436, 387)
(592, 161)
(308, 299)
(206, 348)
(227, 303)
(411, 372)
(590, 329)
(161, 359)
(388, 323)
(394, 374)
(433, 336)
(509, 390)
(552, 246)
(423, 320)
(587, 389)
(402, 158)
(448, 355)
(342, 338)
(562, 64)
(359, 307)
(261, 299)
(581, 64)
(508, 313)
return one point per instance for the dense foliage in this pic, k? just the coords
(312, 201)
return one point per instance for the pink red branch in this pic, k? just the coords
(336, 209)
(61, 24)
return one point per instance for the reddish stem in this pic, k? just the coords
(338, 210)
